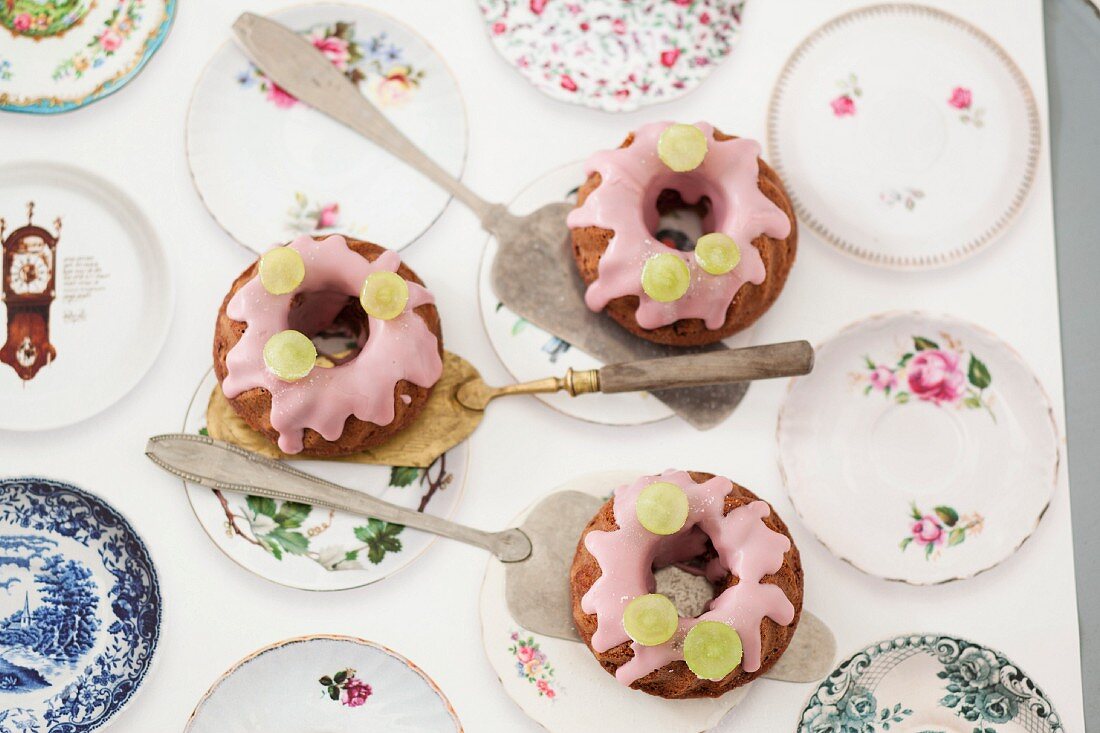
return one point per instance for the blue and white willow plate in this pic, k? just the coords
(928, 684)
(80, 609)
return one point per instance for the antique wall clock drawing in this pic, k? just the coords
(30, 258)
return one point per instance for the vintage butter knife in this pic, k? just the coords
(535, 243)
(539, 550)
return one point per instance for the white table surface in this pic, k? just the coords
(215, 612)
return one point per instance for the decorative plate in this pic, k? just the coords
(319, 549)
(528, 352)
(269, 168)
(612, 55)
(80, 613)
(932, 684)
(922, 448)
(323, 682)
(83, 275)
(886, 117)
(59, 55)
(558, 683)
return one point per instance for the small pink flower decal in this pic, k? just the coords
(22, 22)
(334, 48)
(347, 689)
(934, 376)
(499, 28)
(567, 83)
(668, 58)
(281, 97)
(110, 40)
(618, 26)
(843, 106)
(329, 216)
(532, 665)
(931, 373)
(961, 98)
(537, 6)
(942, 527)
(704, 18)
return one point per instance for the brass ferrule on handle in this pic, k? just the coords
(584, 382)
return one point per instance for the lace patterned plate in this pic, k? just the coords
(59, 55)
(928, 683)
(886, 117)
(921, 448)
(81, 609)
(612, 55)
(269, 168)
(324, 682)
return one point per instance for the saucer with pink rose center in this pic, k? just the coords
(922, 448)
(323, 683)
(887, 117)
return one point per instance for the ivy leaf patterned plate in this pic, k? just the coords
(269, 168)
(932, 684)
(83, 276)
(612, 55)
(530, 353)
(59, 55)
(323, 683)
(301, 546)
(921, 448)
(80, 612)
(886, 117)
(558, 683)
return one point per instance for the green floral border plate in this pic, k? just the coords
(929, 683)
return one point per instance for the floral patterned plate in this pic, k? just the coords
(529, 353)
(558, 683)
(612, 55)
(269, 168)
(80, 613)
(59, 55)
(886, 117)
(932, 684)
(318, 549)
(922, 448)
(323, 683)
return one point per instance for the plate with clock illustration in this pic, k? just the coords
(59, 55)
(313, 548)
(922, 448)
(308, 173)
(886, 117)
(87, 298)
(81, 609)
(324, 683)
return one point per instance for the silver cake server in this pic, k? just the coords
(534, 243)
(539, 550)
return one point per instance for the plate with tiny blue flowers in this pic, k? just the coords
(80, 609)
(929, 683)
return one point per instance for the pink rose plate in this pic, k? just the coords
(612, 55)
(920, 449)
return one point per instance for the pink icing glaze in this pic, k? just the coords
(746, 547)
(626, 203)
(402, 348)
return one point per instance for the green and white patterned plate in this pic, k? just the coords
(928, 683)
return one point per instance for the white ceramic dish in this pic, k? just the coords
(318, 549)
(921, 448)
(559, 684)
(323, 683)
(529, 353)
(87, 296)
(60, 55)
(270, 168)
(888, 116)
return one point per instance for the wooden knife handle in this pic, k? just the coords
(715, 367)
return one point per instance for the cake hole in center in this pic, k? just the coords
(687, 586)
(679, 223)
(336, 323)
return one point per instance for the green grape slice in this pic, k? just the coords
(665, 277)
(717, 253)
(651, 619)
(682, 147)
(712, 649)
(384, 295)
(290, 355)
(282, 270)
(662, 508)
